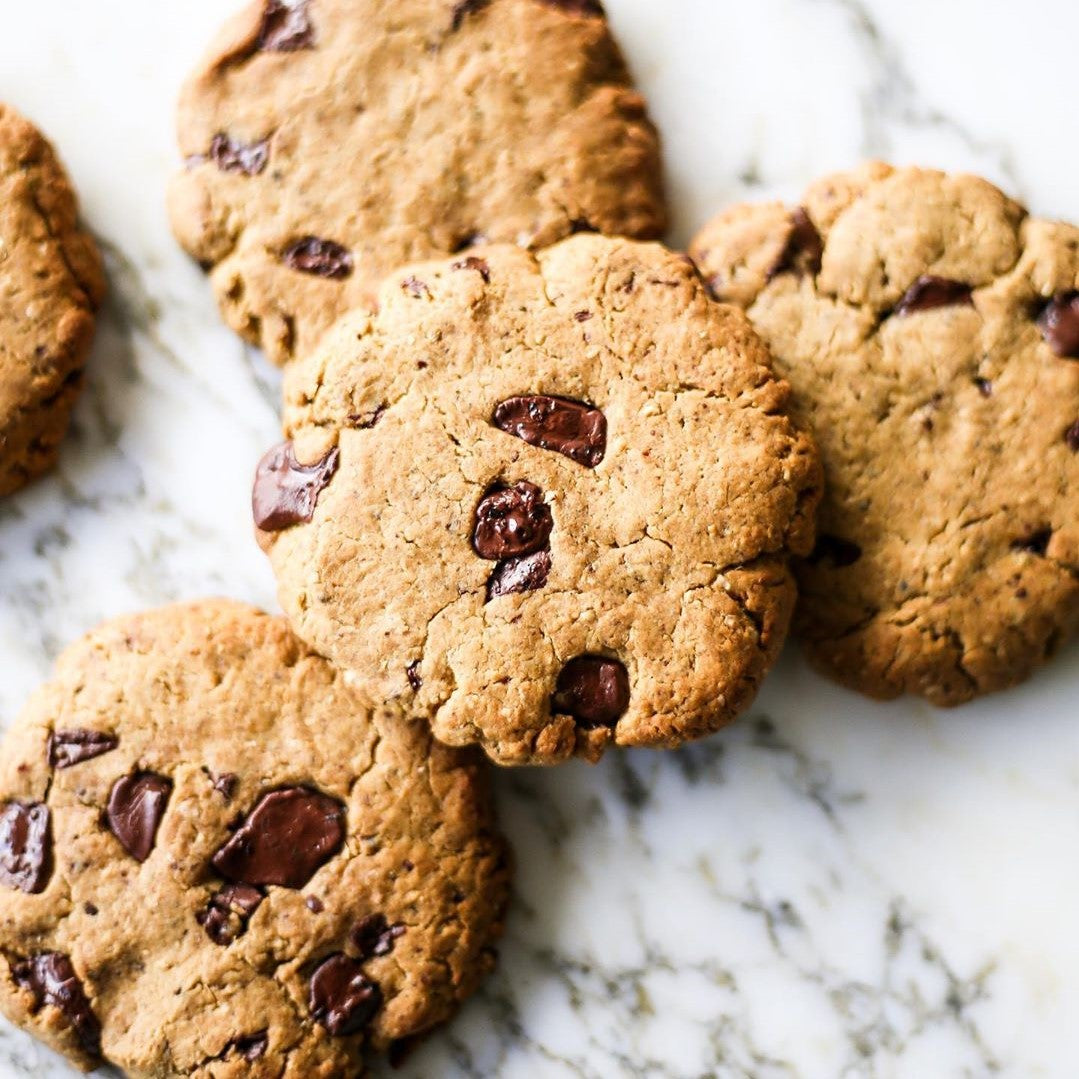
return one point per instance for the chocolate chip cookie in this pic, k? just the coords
(51, 282)
(330, 141)
(930, 329)
(215, 861)
(544, 501)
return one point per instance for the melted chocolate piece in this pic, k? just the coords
(1036, 543)
(592, 689)
(25, 846)
(231, 155)
(929, 292)
(1071, 437)
(225, 785)
(804, 250)
(284, 840)
(136, 805)
(67, 748)
(528, 573)
(473, 263)
(839, 552)
(341, 998)
(1059, 323)
(571, 428)
(250, 1047)
(286, 492)
(228, 912)
(286, 27)
(412, 672)
(323, 258)
(374, 936)
(51, 979)
(512, 521)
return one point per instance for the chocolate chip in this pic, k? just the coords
(1071, 437)
(250, 1047)
(1036, 543)
(225, 785)
(51, 979)
(571, 428)
(412, 672)
(90, 909)
(289, 835)
(342, 999)
(528, 573)
(464, 8)
(804, 250)
(578, 7)
(67, 748)
(136, 805)
(929, 292)
(985, 387)
(473, 263)
(228, 912)
(286, 492)
(592, 689)
(231, 155)
(582, 316)
(323, 258)
(314, 904)
(512, 521)
(839, 552)
(25, 846)
(374, 936)
(1059, 323)
(286, 27)
(415, 287)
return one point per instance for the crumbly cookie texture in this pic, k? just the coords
(330, 141)
(51, 282)
(930, 329)
(545, 501)
(216, 862)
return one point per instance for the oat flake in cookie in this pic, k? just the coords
(50, 285)
(328, 142)
(215, 861)
(930, 330)
(563, 493)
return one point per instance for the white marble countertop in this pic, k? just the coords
(831, 888)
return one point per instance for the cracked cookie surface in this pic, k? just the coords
(330, 141)
(930, 330)
(544, 501)
(215, 861)
(50, 285)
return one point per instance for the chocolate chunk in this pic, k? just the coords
(72, 747)
(582, 316)
(528, 573)
(289, 835)
(929, 292)
(839, 552)
(314, 904)
(25, 846)
(592, 689)
(985, 387)
(1071, 437)
(231, 155)
(136, 805)
(1059, 323)
(578, 7)
(250, 1047)
(286, 27)
(286, 492)
(374, 936)
(225, 785)
(226, 915)
(412, 672)
(51, 979)
(323, 258)
(512, 521)
(571, 428)
(804, 250)
(341, 998)
(1036, 543)
(464, 8)
(473, 263)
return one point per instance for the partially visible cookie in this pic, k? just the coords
(330, 141)
(215, 861)
(930, 330)
(544, 501)
(51, 282)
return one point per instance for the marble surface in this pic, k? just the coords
(831, 888)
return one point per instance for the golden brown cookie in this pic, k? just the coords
(930, 329)
(544, 501)
(51, 282)
(330, 141)
(216, 862)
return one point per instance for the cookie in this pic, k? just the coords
(51, 283)
(330, 141)
(930, 329)
(544, 501)
(215, 861)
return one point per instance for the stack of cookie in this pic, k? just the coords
(546, 487)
